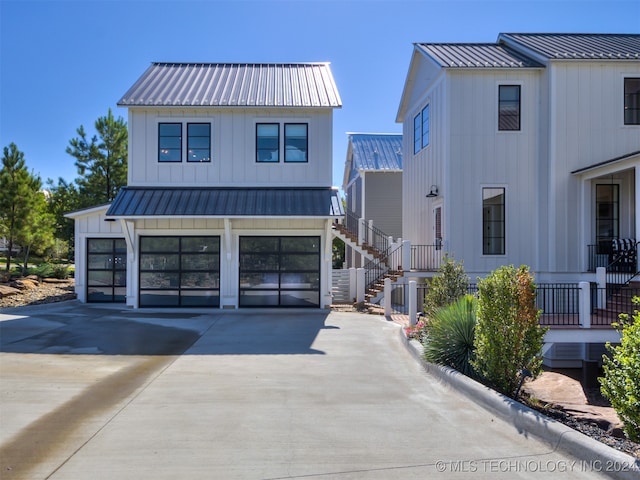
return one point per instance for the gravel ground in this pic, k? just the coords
(48, 291)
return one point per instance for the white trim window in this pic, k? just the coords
(493, 220)
(509, 107)
(632, 101)
(421, 129)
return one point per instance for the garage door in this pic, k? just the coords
(180, 271)
(106, 270)
(279, 271)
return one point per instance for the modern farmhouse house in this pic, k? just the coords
(372, 185)
(532, 145)
(229, 201)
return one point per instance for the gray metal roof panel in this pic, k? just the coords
(229, 85)
(226, 202)
(578, 46)
(374, 151)
(476, 55)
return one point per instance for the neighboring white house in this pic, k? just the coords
(373, 186)
(229, 200)
(532, 145)
(527, 151)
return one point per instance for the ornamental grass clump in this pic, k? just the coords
(448, 338)
(621, 381)
(508, 337)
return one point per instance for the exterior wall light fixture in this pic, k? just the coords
(433, 191)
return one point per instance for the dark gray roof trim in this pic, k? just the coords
(578, 46)
(234, 85)
(476, 55)
(226, 202)
(606, 162)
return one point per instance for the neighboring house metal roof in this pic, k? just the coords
(234, 84)
(226, 202)
(476, 55)
(372, 152)
(578, 46)
(376, 151)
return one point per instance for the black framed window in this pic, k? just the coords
(417, 128)
(493, 221)
(425, 126)
(607, 215)
(268, 142)
(509, 107)
(279, 271)
(632, 101)
(169, 142)
(106, 270)
(295, 142)
(179, 271)
(198, 142)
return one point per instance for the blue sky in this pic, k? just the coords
(65, 63)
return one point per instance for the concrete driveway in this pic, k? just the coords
(104, 392)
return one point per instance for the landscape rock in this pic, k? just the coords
(6, 291)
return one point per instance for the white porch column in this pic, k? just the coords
(360, 285)
(353, 282)
(328, 254)
(129, 229)
(406, 255)
(585, 304)
(361, 231)
(387, 297)
(413, 293)
(601, 281)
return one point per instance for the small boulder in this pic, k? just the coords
(24, 284)
(7, 291)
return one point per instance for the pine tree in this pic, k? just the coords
(18, 198)
(101, 161)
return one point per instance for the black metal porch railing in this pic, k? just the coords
(426, 258)
(559, 302)
(371, 235)
(351, 221)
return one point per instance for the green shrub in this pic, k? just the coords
(508, 337)
(448, 338)
(44, 270)
(60, 271)
(621, 381)
(450, 284)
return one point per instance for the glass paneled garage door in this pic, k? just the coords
(106, 270)
(180, 271)
(279, 271)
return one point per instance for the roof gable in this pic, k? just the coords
(233, 85)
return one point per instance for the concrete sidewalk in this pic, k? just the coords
(110, 393)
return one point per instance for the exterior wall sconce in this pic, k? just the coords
(433, 191)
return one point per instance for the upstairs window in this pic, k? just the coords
(421, 130)
(425, 126)
(509, 107)
(632, 101)
(198, 142)
(267, 142)
(416, 133)
(295, 142)
(170, 142)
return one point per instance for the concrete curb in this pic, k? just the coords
(595, 455)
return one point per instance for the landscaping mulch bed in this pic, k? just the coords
(34, 291)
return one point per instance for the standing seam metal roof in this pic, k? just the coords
(226, 202)
(579, 46)
(476, 55)
(235, 84)
(376, 151)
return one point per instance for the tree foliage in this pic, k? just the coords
(101, 161)
(20, 201)
(64, 198)
(446, 287)
(621, 381)
(508, 337)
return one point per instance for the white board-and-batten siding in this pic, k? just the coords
(233, 149)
